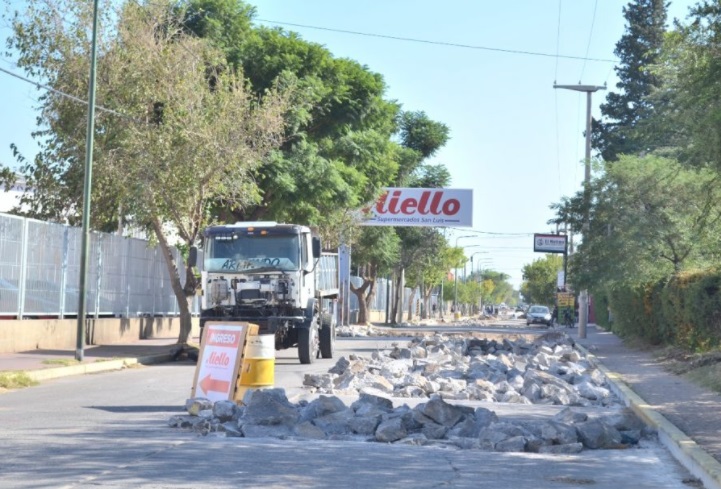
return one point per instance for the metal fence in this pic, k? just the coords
(40, 273)
(384, 291)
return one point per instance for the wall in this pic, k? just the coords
(61, 334)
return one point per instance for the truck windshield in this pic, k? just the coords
(238, 253)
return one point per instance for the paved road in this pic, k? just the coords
(109, 430)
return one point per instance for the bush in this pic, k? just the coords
(684, 310)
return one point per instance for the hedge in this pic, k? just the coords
(683, 310)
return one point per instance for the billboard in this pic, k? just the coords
(434, 207)
(549, 243)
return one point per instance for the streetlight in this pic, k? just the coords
(455, 276)
(464, 263)
(583, 296)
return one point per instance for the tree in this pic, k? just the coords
(375, 252)
(338, 151)
(638, 49)
(651, 217)
(183, 132)
(539, 279)
(688, 114)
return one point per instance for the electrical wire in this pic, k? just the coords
(555, 99)
(437, 43)
(66, 95)
(590, 36)
(558, 40)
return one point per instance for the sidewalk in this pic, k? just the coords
(687, 417)
(44, 364)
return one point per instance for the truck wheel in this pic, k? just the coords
(307, 344)
(327, 335)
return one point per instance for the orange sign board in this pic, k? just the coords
(219, 360)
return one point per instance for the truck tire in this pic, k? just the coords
(327, 335)
(308, 344)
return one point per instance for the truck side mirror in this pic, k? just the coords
(316, 247)
(192, 256)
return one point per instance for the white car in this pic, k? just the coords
(539, 315)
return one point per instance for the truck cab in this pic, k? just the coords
(273, 275)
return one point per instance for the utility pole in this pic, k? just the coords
(87, 186)
(583, 296)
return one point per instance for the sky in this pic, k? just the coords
(485, 68)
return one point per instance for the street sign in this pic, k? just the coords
(219, 360)
(565, 299)
(549, 243)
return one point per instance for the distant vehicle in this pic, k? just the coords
(539, 315)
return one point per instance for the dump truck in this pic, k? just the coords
(273, 275)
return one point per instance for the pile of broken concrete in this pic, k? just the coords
(548, 370)
(439, 369)
(269, 413)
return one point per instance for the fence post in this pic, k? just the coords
(126, 274)
(99, 270)
(23, 269)
(64, 271)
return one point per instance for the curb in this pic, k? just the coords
(95, 367)
(684, 449)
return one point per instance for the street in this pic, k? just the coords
(110, 430)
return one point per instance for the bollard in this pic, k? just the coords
(258, 367)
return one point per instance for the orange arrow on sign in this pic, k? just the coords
(210, 384)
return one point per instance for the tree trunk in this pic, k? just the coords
(394, 298)
(180, 292)
(411, 299)
(360, 293)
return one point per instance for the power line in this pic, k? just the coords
(558, 38)
(555, 98)
(438, 43)
(590, 36)
(66, 95)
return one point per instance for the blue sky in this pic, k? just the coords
(515, 140)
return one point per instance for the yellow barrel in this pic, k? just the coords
(258, 368)
(456, 315)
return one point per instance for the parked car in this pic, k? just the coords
(539, 315)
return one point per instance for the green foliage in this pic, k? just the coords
(638, 48)
(682, 311)
(540, 278)
(649, 217)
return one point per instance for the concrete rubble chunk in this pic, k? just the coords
(598, 434)
(570, 416)
(559, 433)
(368, 404)
(390, 430)
(195, 405)
(442, 412)
(224, 410)
(320, 407)
(340, 366)
(306, 429)
(512, 444)
(335, 423)
(269, 407)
